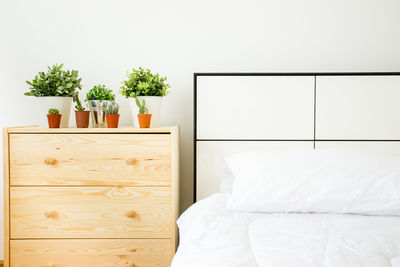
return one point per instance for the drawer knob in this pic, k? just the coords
(50, 161)
(51, 214)
(130, 161)
(131, 214)
(130, 264)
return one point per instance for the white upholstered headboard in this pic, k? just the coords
(236, 112)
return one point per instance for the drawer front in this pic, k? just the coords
(90, 159)
(90, 212)
(93, 253)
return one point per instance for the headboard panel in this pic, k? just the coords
(247, 107)
(358, 107)
(245, 111)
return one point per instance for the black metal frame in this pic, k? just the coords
(314, 140)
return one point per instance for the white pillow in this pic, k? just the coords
(315, 181)
(226, 182)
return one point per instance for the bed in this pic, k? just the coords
(212, 236)
(294, 169)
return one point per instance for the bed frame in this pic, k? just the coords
(236, 112)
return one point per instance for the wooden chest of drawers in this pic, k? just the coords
(90, 197)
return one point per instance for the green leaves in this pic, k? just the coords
(53, 111)
(113, 108)
(100, 92)
(76, 99)
(55, 82)
(141, 82)
(142, 107)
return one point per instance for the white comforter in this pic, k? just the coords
(212, 236)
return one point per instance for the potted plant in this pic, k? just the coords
(144, 85)
(81, 115)
(112, 115)
(143, 117)
(55, 89)
(54, 118)
(99, 97)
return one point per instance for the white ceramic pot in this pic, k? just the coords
(153, 104)
(62, 103)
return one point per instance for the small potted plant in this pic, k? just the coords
(143, 117)
(144, 85)
(54, 118)
(55, 89)
(81, 115)
(112, 115)
(99, 97)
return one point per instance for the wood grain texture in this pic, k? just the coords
(174, 186)
(37, 129)
(6, 180)
(91, 197)
(90, 159)
(91, 253)
(90, 212)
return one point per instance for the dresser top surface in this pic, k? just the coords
(37, 129)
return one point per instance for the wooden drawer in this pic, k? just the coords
(91, 253)
(90, 159)
(90, 212)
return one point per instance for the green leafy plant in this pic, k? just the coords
(100, 92)
(55, 82)
(142, 106)
(141, 82)
(53, 111)
(113, 108)
(78, 102)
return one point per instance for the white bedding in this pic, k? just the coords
(333, 181)
(212, 236)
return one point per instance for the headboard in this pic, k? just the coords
(236, 112)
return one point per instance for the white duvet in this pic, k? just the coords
(210, 235)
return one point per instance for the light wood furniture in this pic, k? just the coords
(90, 197)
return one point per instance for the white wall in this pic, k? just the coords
(104, 39)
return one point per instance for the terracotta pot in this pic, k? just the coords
(62, 103)
(82, 118)
(54, 120)
(144, 120)
(153, 105)
(112, 120)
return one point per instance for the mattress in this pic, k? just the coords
(210, 235)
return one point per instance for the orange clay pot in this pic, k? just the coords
(112, 120)
(54, 120)
(144, 120)
(82, 118)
